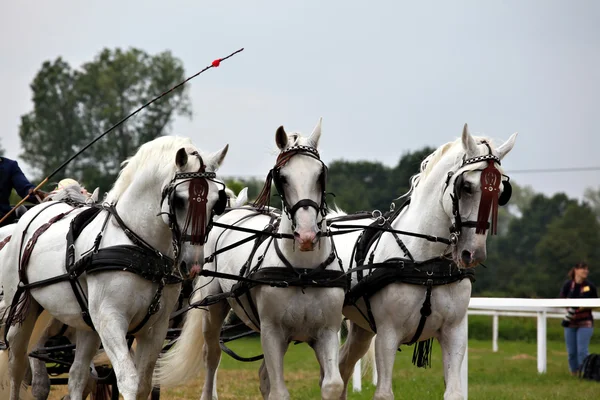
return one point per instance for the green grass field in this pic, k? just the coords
(511, 373)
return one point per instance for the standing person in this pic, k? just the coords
(579, 322)
(11, 177)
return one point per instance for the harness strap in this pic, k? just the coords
(5, 241)
(229, 247)
(429, 238)
(425, 312)
(256, 231)
(152, 308)
(33, 240)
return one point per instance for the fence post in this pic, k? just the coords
(495, 332)
(541, 342)
(464, 368)
(356, 376)
(374, 371)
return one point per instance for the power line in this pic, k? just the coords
(543, 170)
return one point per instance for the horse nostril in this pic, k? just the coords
(466, 257)
(296, 234)
(183, 266)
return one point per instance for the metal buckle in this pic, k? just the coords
(454, 238)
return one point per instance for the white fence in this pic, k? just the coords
(513, 307)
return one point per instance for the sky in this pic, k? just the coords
(386, 76)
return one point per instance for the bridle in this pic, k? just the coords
(274, 176)
(491, 178)
(196, 215)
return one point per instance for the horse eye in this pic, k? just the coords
(282, 179)
(467, 188)
(178, 202)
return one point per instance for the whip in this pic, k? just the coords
(214, 64)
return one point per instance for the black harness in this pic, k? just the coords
(139, 258)
(429, 273)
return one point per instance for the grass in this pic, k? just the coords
(511, 373)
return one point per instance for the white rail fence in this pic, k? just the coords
(496, 307)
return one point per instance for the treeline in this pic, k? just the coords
(539, 237)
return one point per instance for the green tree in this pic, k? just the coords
(513, 267)
(367, 185)
(73, 107)
(408, 165)
(358, 185)
(570, 238)
(592, 197)
(52, 132)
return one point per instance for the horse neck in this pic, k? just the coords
(424, 215)
(302, 259)
(139, 207)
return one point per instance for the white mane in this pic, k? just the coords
(155, 158)
(434, 158)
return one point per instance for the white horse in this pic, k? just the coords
(70, 191)
(40, 382)
(310, 314)
(162, 206)
(453, 170)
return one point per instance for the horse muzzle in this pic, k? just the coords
(189, 272)
(470, 259)
(306, 240)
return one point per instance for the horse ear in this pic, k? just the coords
(316, 134)
(242, 197)
(220, 156)
(181, 158)
(468, 142)
(507, 146)
(95, 195)
(281, 138)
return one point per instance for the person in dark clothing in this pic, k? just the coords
(11, 177)
(579, 322)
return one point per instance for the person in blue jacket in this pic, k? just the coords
(11, 177)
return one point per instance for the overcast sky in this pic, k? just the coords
(387, 76)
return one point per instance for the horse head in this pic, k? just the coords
(189, 203)
(475, 187)
(300, 178)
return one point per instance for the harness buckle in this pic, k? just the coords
(429, 273)
(454, 238)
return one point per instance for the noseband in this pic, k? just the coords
(275, 176)
(491, 178)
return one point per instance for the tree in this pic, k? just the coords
(1, 150)
(52, 132)
(73, 107)
(592, 197)
(408, 165)
(358, 185)
(367, 185)
(571, 238)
